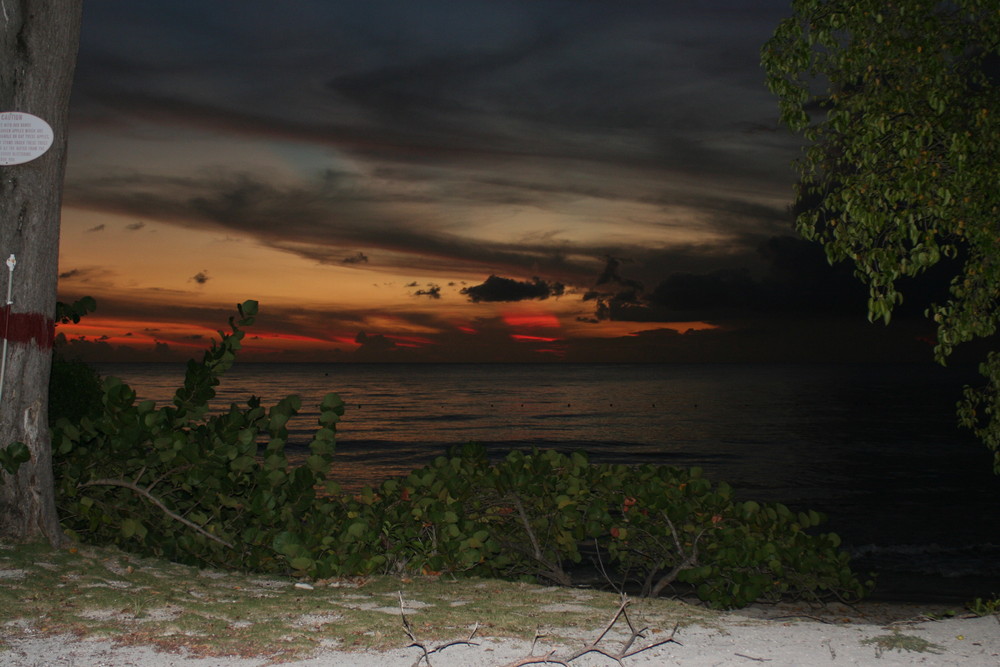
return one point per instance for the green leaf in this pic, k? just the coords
(133, 528)
(317, 464)
(242, 463)
(248, 308)
(302, 563)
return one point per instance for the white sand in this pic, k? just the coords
(742, 639)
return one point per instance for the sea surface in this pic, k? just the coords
(874, 447)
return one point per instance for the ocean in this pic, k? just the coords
(874, 447)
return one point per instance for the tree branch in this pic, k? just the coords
(556, 573)
(687, 560)
(156, 501)
(416, 643)
(594, 647)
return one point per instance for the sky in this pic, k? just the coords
(473, 181)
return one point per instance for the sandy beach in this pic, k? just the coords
(744, 638)
(95, 606)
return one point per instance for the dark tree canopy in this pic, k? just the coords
(898, 102)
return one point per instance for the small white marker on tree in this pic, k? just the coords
(11, 263)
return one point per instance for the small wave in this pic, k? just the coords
(443, 418)
(568, 416)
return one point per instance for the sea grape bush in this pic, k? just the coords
(220, 489)
(179, 483)
(534, 515)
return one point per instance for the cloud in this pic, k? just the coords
(507, 289)
(603, 148)
(318, 218)
(433, 291)
(96, 228)
(99, 350)
(497, 104)
(358, 258)
(201, 277)
(373, 345)
(611, 275)
(794, 279)
(90, 275)
(135, 226)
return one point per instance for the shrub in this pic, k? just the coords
(178, 483)
(530, 516)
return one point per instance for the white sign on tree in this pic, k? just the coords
(23, 137)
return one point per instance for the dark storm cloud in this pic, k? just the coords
(796, 280)
(315, 220)
(523, 103)
(401, 122)
(372, 344)
(611, 275)
(622, 84)
(496, 288)
(357, 258)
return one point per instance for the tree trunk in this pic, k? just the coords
(38, 46)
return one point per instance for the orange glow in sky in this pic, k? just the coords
(532, 320)
(540, 339)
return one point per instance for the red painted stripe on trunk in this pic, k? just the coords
(27, 328)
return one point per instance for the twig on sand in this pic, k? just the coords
(626, 650)
(425, 651)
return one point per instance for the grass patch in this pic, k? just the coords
(89, 591)
(897, 641)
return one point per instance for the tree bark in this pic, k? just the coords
(38, 47)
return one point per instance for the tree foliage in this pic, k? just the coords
(899, 104)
